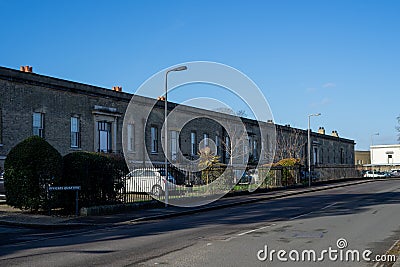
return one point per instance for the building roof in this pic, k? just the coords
(81, 88)
(386, 146)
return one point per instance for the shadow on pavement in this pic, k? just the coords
(265, 211)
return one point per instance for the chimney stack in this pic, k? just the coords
(321, 130)
(117, 88)
(26, 69)
(335, 134)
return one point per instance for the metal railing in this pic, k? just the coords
(149, 183)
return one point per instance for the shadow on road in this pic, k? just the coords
(203, 223)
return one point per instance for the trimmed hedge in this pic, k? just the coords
(30, 167)
(96, 173)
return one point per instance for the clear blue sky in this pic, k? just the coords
(340, 58)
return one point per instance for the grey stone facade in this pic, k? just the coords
(100, 114)
(325, 149)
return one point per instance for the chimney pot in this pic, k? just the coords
(26, 69)
(321, 130)
(117, 88)
(335, 134)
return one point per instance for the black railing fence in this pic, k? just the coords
(148, 183)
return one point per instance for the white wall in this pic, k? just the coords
(380, 154)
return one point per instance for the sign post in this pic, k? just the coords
(75, 188)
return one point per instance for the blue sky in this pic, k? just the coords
(340, 58)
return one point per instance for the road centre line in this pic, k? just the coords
(257, 229)
(293, 218)
(308, 213)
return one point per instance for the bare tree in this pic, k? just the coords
(225, 110)
(290, 144)
(236, 145)
(398, 128)
(241, 113)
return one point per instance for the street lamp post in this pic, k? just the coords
(309, 148)
(180, 68)
(372, 155)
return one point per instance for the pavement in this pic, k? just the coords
(14, 217)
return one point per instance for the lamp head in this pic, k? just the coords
(180, 68)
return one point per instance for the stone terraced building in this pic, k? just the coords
(73, 116)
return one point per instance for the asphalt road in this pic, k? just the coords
(367, 216)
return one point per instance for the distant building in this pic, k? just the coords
(385, 157)
(362, 158)
(73, 116)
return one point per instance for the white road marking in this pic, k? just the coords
(308, 213)
(301, 215)
(257, 229)
(386, 253)
(293, 218)
(394, 244)
(330, 205)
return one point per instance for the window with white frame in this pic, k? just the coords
(1, 127)
(341, 156)
(154, 139)
(205, 138)
(250, 145)
(218, 144)
(255, 149)
(131, 137)
(38, 124)
(75, 132)
(315, 155)
(193, 144)
(104, 129)
(245, 149)
(321, 156)
(174, 144)
(227, 147)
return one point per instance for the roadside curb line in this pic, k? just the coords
(182, 213)
(397, 262)
(46, 225)
(278, 196)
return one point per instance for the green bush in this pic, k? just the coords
(30, 167)
(96, 173)
(288, 162)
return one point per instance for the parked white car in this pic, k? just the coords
(395, 173)
(376, 174)
(149, 180)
